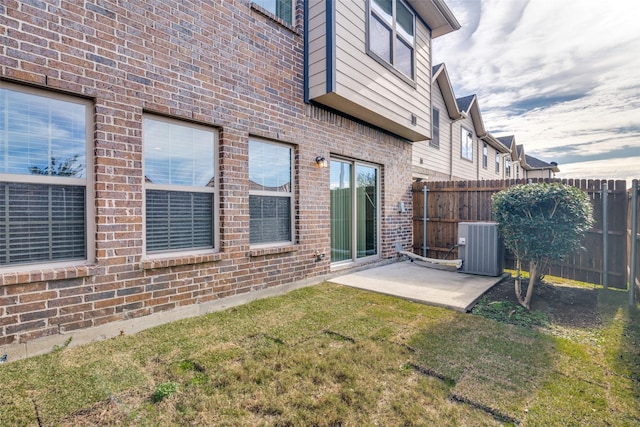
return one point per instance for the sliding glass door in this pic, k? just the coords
(354, 210)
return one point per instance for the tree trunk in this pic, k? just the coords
(517, 282)
(533, 276)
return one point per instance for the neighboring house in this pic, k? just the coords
(491, 155)
(536, 168)
(473, 146)
(156, 158)
(522, 166)
(460, 148)
(511, 160)
(433, 159)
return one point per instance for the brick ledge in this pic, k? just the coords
(150, 264)
(47, 274)
(272, 250)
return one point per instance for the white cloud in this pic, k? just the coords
(555, 74)
(621, 168)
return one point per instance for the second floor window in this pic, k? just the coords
(283, 9)
(435, 140)
(485, 155)
(391, 35)
(466, 144)
(497, 162)
(507, 167)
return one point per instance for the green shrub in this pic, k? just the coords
(540, 223)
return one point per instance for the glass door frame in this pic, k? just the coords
(355, 208)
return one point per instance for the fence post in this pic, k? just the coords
(633, 242)
(425, 217)
(605, 236)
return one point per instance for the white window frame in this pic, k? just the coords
(466, 144)
(87, 181)
(507, 167)
(288, 194)
(497, 162)
(214, 190)
(395, 35)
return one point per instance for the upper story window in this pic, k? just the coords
(507, 167)
(179, 175)
(270, 192)
(466, 144)
(45, 194)
(435, 140)
(497, 162)
(485, 155)
(283, 9)
(391, 35)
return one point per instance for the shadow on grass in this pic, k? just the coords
(621, 326)
(493, 367)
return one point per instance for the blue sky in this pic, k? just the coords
(562, 76)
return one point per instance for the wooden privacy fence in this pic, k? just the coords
(451, 202)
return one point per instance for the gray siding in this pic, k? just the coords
(436, 160)
(364, 88)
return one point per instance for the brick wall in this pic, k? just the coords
(222, 64)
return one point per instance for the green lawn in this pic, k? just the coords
(335, 356)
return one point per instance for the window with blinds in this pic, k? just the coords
(179, 169)
(270, 192)
(43, 181)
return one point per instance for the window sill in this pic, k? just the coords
(274, 250)
(154, 263)
(46, 274)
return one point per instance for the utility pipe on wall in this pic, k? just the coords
(425, 217)
(634, 241)
(605, 236)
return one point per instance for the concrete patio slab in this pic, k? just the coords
(416, 282)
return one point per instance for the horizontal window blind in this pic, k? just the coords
(270, 219)
(178, 220)
(40, 223)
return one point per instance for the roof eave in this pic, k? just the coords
(446, 89)
(437, 15)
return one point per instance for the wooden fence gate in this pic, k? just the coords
(442, 205)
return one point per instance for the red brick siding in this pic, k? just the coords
(217, 63)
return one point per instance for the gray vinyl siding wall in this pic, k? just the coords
(436, 160)
(317, 48)
(365, 88)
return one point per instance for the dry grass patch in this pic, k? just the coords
(329, 355)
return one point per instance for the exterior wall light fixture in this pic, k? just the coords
(321, 162)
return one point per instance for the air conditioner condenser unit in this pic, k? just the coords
(480, 248)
